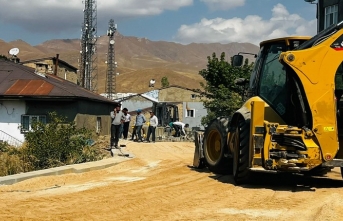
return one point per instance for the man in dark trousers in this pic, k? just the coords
(140, 120)
(126, 125)
(117, 119)
(152, 127)
(180, 128)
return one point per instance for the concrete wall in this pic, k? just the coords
(48, 66)
(175, 94)
(199, 112)
(93, 121)
(92, 115)
(189, 100)
(136, 102)
(10, 118)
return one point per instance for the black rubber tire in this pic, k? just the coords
(217, 158)
(198, 161)
(241, 172)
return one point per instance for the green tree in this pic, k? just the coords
(223, 95)
(164, 82)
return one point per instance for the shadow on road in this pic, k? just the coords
(278, 181)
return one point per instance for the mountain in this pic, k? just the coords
(139, 59)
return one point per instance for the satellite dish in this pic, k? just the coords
(152, 83)
(112, 42)
(14, 51)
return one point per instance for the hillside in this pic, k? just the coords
(139, 59)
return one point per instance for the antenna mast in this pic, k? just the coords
(111, 64)
(88, 75)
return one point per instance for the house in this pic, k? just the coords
(55, 66)
(26, 96)
(138, 101)
(189, 102)
(329, 12)
(191, 107)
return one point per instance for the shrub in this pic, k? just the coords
(13, 160)
(58, 143)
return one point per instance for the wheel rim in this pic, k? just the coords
(214, 145)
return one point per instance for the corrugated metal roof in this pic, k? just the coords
(19, 80)
(30, 87)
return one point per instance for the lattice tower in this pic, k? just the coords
(111, 64)
(88, 74)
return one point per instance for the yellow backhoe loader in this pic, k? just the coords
(291, 120)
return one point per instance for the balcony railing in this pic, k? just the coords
(5, 137)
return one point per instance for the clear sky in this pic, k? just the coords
(182, 21)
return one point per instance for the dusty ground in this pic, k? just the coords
(159, 184)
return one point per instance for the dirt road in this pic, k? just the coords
(159, 184)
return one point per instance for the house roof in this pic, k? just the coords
(39, 60)
(194, 90)
(144, 110)
(17, 80)
(141, 95)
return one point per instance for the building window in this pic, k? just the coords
(27, 121)
(98, 124)
(193, 96)
(190, 113)
(331, 15)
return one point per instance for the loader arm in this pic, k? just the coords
(316, 68)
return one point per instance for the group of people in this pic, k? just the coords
(121, 122)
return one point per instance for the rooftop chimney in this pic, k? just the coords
(56, 64)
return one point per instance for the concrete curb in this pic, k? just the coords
(74, 168)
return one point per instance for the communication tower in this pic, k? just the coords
(88, 74)
(111, 64)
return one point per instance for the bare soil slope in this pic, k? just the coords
(159, 184)
(141, 58)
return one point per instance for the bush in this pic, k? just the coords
(49, 145)
(59, 143)
(13, 160)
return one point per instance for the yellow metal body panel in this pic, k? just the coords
(316, 68)
(256, 123)
(269, 113)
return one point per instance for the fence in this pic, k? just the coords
(5, 137)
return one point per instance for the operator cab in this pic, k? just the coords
(274, 82)
(280, 88)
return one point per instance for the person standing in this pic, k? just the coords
(152, 127)
(140, 120)
(117, 119)
(126, 124)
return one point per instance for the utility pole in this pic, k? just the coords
(111, 64)
(88, 75)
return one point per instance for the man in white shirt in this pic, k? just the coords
(180, 127)
(126, 124)
(152, 127)
(117, 119)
